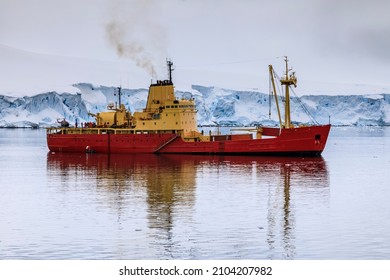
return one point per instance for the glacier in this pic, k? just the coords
(215, 105)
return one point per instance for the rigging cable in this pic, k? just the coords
(299, 101)
(278, 87)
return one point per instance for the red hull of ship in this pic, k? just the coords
(309, 140)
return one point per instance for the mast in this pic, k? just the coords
(271, 73)
(287, 81)
(119, 92)
(170, 69)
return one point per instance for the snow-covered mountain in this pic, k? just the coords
(215, 106)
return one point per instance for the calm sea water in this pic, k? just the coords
(90, 206)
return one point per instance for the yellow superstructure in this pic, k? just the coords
(163, 113)
(116, 117)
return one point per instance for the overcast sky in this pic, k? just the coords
(333, 41)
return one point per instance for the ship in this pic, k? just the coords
(168, 125)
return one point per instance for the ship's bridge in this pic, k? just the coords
(160, 93)
(164, 112)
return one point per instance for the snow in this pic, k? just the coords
(214, 104)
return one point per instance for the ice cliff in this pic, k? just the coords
(215, 106)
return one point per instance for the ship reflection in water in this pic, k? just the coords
(192, 207)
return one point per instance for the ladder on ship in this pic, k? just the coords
(165, 144)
